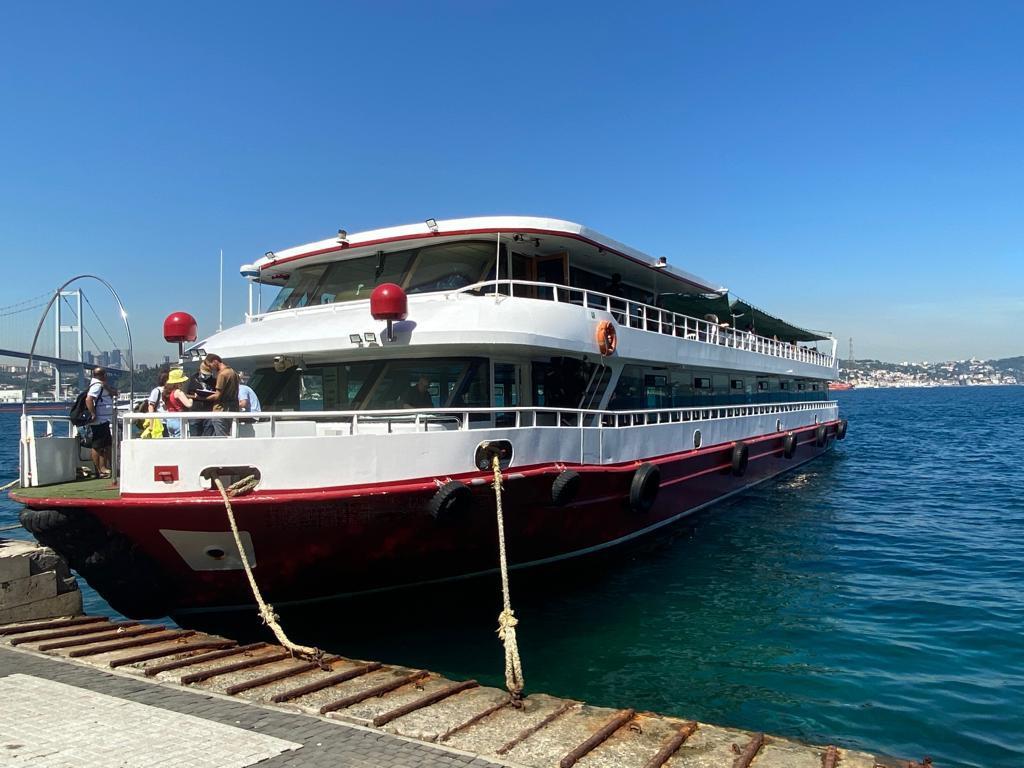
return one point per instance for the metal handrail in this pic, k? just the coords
(525, 416)
(633, 314)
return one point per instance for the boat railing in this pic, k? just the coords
(646, 317)
(633, 314)
(337, 423)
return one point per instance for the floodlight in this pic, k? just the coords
(432, 225)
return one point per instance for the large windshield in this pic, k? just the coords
(376, 385)
(443, 267)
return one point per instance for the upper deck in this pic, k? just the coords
(514, 281)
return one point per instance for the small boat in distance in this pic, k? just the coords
(839, 386)
(619, 393)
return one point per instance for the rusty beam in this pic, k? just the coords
(131, 642)
(599, 737)
(830, 757)
(474, 719)
(79, 631)
(746, 756)
(508, 746)
(183, 648)
(326, 682)
(424, 701)
(273, 677)
(202, 658)
(141, 629)
(238, 666)
(41, 625)
(671, 746)
(377, 690)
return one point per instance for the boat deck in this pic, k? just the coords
(93, 488)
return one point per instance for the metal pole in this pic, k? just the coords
(220, 317)
(56, 351)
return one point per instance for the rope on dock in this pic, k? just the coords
(506, 619)
(267, 614)
(9, 485)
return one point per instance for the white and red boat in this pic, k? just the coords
(620, 393)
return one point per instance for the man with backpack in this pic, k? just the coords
(100, 402)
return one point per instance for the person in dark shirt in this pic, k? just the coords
(418, 396)
(225, 396)
(200, 385)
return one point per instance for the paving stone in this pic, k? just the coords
(95, 729)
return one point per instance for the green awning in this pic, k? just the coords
(747, 317)
(697, 304)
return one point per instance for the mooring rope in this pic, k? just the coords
(9, 485)
(506, 619)
(266, 610)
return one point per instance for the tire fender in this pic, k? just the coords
(821, 436)
(789, 445)
(450, 499)
(643, 490)
(740, 458)
(565, 488)
(841, 430)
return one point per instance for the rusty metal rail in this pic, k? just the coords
(259, 661)
(523, 735)
(326, 682)
(202, 658)
(424, 701)
(161, 652)
(670, 747)
(131, 642)
(377, 690)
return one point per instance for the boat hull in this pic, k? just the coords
(174, 555)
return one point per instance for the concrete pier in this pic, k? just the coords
(340, 712)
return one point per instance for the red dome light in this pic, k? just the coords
(389, 302)
(180, 327)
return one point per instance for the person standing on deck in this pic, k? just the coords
(225, 396)
(248, 401)
(199, 387)
(100, 402)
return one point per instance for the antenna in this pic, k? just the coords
(850, 358)
(220, 317)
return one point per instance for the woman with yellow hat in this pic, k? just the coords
(175, 400)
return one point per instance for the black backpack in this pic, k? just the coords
(79, 413)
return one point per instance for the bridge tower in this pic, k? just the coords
(61, 328)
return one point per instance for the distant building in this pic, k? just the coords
(90, 358)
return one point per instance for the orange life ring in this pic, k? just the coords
(606, 338)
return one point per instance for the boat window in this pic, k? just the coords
(301, 288)
(560, 382)
(376, 385)
(355, 279)
(450, 266)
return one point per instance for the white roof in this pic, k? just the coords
(527, 225)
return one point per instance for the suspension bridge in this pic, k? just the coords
(67, 345)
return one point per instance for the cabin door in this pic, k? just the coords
(508, 392)
(551, 269)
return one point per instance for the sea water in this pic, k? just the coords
(872, 598)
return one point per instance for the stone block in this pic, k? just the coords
(44, 559)
(29, 590)
(67, 604)
(15, 559)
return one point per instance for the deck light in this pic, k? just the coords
(432, 225)
(342, 236)
(355, 338)
(371, 338)
(662, 262)
(270, 255)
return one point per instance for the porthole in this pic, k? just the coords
(215, 553)
(696, 438)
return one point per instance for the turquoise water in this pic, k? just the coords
(873, 598)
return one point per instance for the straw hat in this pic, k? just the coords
(177, 376)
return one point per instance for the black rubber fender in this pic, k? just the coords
(451, 499)
(789, 445)
(643, 490)
(740, 458)
(565, 487)
(821, 436)
(841, 430)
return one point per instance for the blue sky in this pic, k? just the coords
(852, 167)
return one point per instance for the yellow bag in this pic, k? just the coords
(152, 428)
